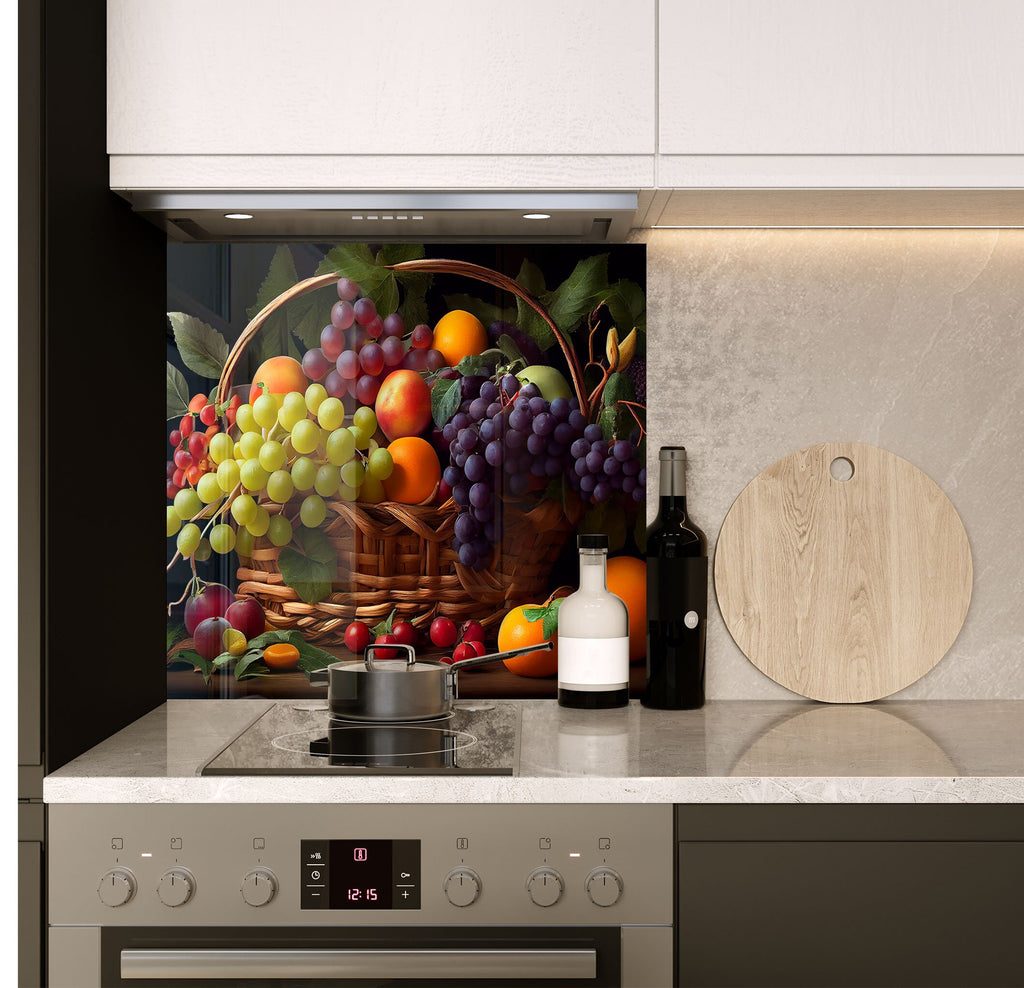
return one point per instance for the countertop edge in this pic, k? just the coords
(434, 789)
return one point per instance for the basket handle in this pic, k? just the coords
(426, 266)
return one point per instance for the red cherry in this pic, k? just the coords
(472, 631)
(186, 426)
(175, 438)
(386, 653)
(404, 632)
(443, 632)
(357, 637)
(208, 414)
(480, 647)
(464, 651)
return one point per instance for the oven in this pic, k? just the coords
(317, 894)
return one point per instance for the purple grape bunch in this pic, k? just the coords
(504, 438)
(602, 466)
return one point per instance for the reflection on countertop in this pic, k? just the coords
(729, 751)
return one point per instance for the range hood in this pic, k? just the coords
(584, 217)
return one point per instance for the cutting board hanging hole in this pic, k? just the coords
(841, 469)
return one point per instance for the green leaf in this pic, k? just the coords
(531, 278)
(575, 297)
(397, 253)
(384, 293)
(619, 388)
(445, 398)
(473, 366)
(548, 614)
(274, 338)
(189, 657)
(175, 633)
(177, 393)
(510, 348)
(628, 309)
(202, 348)
(310, 565)
(486, 312)
(384, 627)
(533, 325)
(615, 419)
(351, 261)
(280, 277)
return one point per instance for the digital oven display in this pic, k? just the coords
(360, 874)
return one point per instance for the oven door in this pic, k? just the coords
(361, 956)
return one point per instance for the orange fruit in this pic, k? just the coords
(627, 578)
(281, 657)
(517, 632)
(416, 473)
(458, 334)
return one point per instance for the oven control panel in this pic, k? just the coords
(167, 864)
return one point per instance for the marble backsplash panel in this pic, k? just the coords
(765, 341)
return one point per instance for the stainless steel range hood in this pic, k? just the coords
(384, 215)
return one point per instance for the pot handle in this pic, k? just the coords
(479, 660)
(410, 654)
(319, 677)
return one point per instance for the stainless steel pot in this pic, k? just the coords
(397, 690)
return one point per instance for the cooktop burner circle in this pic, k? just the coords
(380, 740)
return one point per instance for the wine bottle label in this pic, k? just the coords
(591, 664)
(677, 590)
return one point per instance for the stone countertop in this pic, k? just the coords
(925, 751)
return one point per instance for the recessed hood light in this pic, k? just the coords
(238, 216)
(536, 216)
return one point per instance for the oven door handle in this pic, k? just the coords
(442, 965)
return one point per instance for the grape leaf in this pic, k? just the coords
(510, 348)
(445, 398)
(189, 657)
(396, 253)
(310, 565)
(579, 293)
(351, 261)
(202, 348)
(548, 615)
(384, 293)
(531, 323)
(531, 278)
(628, 309)
(177, 393)
(473, 366)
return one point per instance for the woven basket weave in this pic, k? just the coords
(398, 556)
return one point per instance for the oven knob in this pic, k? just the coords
(545, 886)
(604, 887)
(176, 887)
(259, 886)
(117, 887)
(462, 886)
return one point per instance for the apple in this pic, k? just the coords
(209, 637)
(403, 405)
(212, 601)
(246, 615)
(550, 381)
(280, 375)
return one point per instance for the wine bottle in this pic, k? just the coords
(593, 636)
(677, 595)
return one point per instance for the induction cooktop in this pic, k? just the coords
(300, 738)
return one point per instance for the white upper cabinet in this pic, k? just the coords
(390, 78)
(882, 80)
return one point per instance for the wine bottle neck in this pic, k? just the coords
(672, 504)
(672, 482)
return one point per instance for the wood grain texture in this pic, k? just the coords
(843, 591)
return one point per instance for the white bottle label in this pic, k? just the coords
(593, 664)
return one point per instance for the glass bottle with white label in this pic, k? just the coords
(677, 595)
(593, 636)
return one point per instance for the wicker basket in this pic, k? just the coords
(398, 556)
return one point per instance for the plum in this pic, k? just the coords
(209, 637)
(246, 615)
(212, 601)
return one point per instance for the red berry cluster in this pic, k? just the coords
(190, 441)
(443, 634)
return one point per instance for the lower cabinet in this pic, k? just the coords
(810, 895)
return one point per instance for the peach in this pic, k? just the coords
(403, 405)
(280, 375)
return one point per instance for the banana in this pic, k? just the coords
(619, 354)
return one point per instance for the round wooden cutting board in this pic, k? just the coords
(843, 590)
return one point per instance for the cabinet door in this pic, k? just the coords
(395, 77)
(849, 913)
(802, 77)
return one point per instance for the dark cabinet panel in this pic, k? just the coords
(845, 912)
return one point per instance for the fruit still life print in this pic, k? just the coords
(396, 448)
